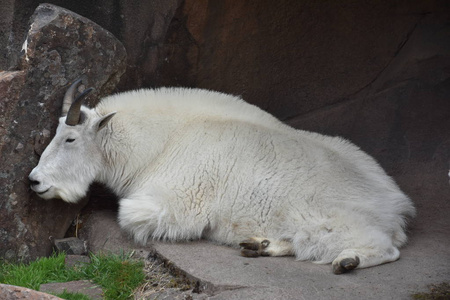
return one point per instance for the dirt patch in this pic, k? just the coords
(437, 292)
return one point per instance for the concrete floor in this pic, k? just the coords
(224, 274)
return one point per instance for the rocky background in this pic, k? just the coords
(374, 72)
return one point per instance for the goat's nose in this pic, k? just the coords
(33, 181)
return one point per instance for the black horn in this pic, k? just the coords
(73, 115)
(68, 97)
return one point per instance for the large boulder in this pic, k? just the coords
(60, 47)
(140, 25)
(12, 292)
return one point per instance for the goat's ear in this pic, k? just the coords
(101, 122)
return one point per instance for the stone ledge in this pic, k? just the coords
(12, 292)
(85, 287)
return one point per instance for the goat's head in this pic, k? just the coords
(73, 158)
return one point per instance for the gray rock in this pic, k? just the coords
(103, 235)
(12, 292)
(60, 47)
(141, 26)
(85, 287)
(144, 32)
(173, 294)
(71, 246)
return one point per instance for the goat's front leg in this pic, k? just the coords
(140, 217)
(157, 213)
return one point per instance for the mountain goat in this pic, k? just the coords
(190, 164)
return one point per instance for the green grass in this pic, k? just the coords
(32, 275)
(118, 275)
(72, 296)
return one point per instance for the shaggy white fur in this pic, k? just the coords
(190, 164)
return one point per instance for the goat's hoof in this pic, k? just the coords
(249, 253)
(253, 248)
(249, 244)
(345, 265)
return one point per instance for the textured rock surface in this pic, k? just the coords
(85, 287)
(11, 292)
(106, 240)
(140, 25)
(292, 57)
(60, 47)
(174, 294)
(71, 246)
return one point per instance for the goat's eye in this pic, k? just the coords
(70, 140)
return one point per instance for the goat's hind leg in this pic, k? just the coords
(255, 247)
(350, 259)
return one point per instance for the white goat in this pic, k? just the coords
(190, 164)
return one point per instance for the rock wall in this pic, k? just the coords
(60, 47)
